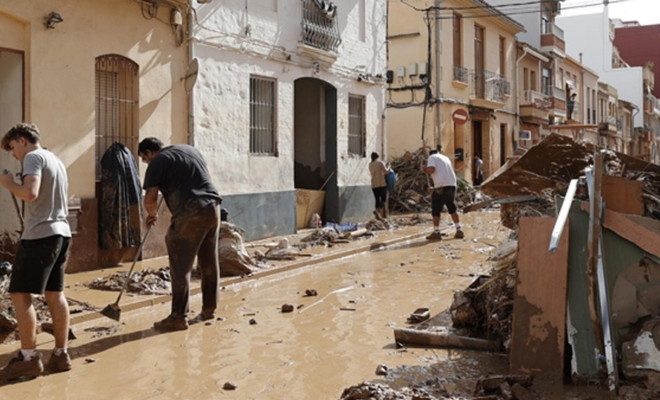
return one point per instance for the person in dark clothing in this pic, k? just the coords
(571, 105)
(179, 172)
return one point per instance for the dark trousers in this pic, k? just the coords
(190, 235)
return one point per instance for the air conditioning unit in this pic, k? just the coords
(525, 135)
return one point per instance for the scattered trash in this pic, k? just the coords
(253, 321)
(147, 281)
(381, 370)
(311, 292)
(419, 315)
(229, 386)
(5, 268)
(287, 308)
(90, 360)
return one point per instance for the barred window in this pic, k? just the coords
(117, 105)
(356, 125)
(262, 116)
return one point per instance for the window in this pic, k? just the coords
(547, 89)
(532, 80)
(262, 116)
(356, 125)
(525, 79)
(560, 78)
(457, 41)
(502, 56)
(117, 105)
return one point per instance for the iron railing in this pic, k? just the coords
(320, 28)
(460, 74)
(552, 29)
(489, 86)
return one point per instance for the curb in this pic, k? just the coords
(262, 274)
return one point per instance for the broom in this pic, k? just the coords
(113, 311)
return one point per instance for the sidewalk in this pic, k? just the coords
(76, 291)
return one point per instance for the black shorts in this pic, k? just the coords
(39, 265)
(442, 197)
(380, 193)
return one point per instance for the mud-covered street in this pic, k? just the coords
(329, 342)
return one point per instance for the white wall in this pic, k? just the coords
(221, 95)
(589, 35)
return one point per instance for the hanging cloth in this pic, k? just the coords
(121, 199)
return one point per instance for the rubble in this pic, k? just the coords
(411, 189)
(234, 258)
(145, 282)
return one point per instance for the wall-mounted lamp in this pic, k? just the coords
(51, 19)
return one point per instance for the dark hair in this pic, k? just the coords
(433, 151)
(374, 156)
(23, 130)
(151, 144)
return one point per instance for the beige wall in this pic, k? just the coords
(60, 74)
(408, 44)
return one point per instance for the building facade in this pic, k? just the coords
(453, 82)
(290, 97)
(86, 82)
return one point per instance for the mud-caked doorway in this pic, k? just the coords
(315, 148)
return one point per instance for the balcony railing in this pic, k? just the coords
(537, 99)
(574, 114)
(555, 92)
(489, 86)
(320, 28)
(460, 74)
(552, 29)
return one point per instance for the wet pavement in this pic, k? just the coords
(329, 342)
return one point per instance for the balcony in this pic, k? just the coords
(534, 108)
(320, 30)
(536, 99)
(460, 76)
(608, 125)
(488, 89)
(558, 99)
(552, 40)
(575, 114)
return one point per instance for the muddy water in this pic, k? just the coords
(331, 341)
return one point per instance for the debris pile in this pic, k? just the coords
(411, 191)
(147, 281)
(485, 308)
(234, 258)
(379, 391)
(280, 251)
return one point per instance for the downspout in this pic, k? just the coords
(518, 90)
(191, 93)
(438, 69)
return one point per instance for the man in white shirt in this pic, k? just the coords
(444, 191)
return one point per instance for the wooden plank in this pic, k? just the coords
(539, 305)
(643, 232)
(623, 195)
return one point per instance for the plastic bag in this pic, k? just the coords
(390, 179)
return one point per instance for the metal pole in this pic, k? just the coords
(191, 56)
(436, 59)
(563, 215)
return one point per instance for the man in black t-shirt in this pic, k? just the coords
(179, 172)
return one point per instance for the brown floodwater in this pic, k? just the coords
(329, 342)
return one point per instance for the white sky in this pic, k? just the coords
(646, 12)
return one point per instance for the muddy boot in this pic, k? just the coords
(434, 236)
(19, 368)
(59, 363)
(203, 316)
(377, 215)
(459, 234)
(171, 323)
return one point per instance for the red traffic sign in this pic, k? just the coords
(460, 116)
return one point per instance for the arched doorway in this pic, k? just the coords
(315, 141)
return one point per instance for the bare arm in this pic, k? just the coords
(151, 206)
(428, 170)
(28, 190)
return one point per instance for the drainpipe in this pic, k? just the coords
(191, 94)
(518, 88)
(438, 114)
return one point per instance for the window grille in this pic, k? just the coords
(356, 125)
(320, 28)
(262, 116)
(117, 105)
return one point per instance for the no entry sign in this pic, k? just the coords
(460, 116)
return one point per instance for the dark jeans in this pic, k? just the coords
(190, 235)
(380, 194)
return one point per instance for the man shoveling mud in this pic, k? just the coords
(40, 258)
(443, 192)
(181, 175)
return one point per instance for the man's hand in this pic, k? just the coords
(6, 178)
(151, 220)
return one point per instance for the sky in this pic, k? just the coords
(646, 12)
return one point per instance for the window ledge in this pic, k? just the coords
(320, 54)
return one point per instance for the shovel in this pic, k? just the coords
(113, 311)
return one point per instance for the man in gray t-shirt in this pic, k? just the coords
(40, 258)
